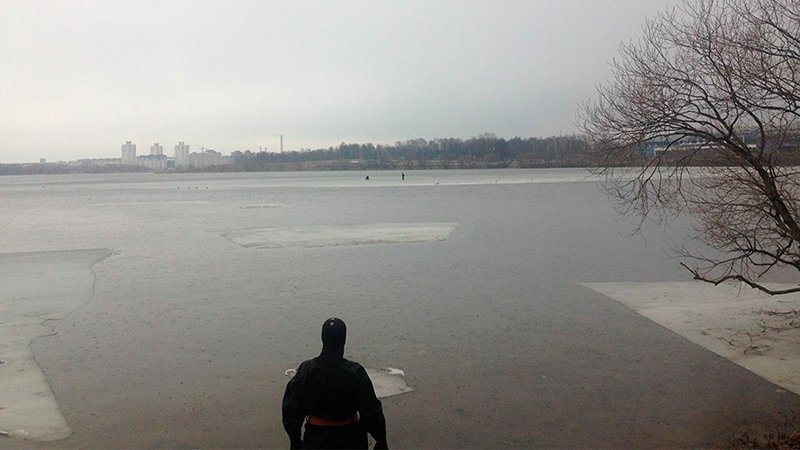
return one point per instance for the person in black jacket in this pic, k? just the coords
(334, 397)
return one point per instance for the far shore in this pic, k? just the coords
(315, 166)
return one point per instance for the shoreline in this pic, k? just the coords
(743, 325)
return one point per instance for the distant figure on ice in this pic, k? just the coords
(334, 397)
(367, 177)
(403, 174)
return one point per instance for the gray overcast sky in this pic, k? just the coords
(77, 79)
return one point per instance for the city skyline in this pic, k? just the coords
(182, 157)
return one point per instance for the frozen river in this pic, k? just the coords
(466, 280)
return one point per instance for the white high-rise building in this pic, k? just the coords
(156, 149)
(129, 153)
(181, 154)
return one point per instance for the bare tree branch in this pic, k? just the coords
(718, 281)
(703, 117)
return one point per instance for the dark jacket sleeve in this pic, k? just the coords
(370, 409)
(294, 412)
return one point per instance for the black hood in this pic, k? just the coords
(334, 334)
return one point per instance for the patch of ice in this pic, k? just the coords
(387, 382)
(16, 434)
(37, 287)
(268, 206)
(174, 202)
(341, 235)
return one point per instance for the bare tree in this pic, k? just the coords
(713, 89)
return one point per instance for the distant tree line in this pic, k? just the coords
(480, 152)
(484, 151)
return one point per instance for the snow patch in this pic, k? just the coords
(37, 287)
(341, 235)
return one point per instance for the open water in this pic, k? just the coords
(188, 335)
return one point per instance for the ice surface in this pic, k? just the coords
(35, 288)
(387, 381)
(16, 434)
(743, 325)
(174, 202)
(341, 235)
(268, 206)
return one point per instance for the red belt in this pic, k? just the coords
(320, 422)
